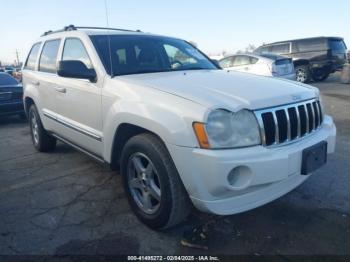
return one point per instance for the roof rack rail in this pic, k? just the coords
(72, 28)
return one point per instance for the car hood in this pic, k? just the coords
(222, 89)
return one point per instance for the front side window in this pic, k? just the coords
(75, 50)
(226, 62)
(33, 55)
(262, 50)
(147, 54)
(48, 58)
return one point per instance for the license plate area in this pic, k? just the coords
(313, 158)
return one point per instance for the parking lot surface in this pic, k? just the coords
(64, 203)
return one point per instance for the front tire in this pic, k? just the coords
(42, 141)
(152, 184)
(320, 75)
(303, 74)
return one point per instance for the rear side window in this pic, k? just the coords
(280, 49)
(75, 50)
(48, 56)
(33, 55)
(253, 60)
(310, 45)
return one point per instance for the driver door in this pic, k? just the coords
(79, 103)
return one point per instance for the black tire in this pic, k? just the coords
(320, 75)
(41, 139)
(303, 74)
(174, 205)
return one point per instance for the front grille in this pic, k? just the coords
(287, 123)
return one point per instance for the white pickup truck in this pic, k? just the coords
(182, 131)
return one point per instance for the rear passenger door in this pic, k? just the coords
(79, 102)
(45, 81)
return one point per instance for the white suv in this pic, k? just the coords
(182, 131)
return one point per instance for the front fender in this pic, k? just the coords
(171, 121)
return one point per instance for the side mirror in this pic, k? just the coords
(216, 62)
(76, 69)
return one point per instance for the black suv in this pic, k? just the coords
(314, 58)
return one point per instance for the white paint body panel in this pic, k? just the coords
(167, 104)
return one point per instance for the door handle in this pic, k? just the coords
(60, 89)
(35, 83)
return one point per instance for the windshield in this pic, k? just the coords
(6, 79)
(135, 54)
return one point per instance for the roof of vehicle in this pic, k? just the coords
(92, 30)
(300, 39)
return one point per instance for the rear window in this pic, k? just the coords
(337, 46)
(310, 45)
(6, 79)
(33, 54)
(48, 56)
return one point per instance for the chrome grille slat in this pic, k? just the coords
(262, 129)
(276, 124)
(307, 120)
(277, 133)
(288, 125)
(298, 119)
(318, 113)
(313, 116)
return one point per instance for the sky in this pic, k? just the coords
(215, 25)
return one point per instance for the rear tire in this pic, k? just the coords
(154, 189)
(42, 140)
(303, 74)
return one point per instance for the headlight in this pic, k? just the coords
(225, 129)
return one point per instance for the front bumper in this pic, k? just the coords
(11, 107)
(272, 172)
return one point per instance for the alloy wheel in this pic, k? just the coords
(35, 128)
(144, 183)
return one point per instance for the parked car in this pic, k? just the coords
(314, 58)
(9, 70)
(265, 65)
(11, 93)
(182, 131)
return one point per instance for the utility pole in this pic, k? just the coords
(17, 56)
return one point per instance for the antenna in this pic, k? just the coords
(109, 40)
(106, 13)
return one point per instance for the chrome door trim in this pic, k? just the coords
(72, 126)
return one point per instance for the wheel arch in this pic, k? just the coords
(124, 132)
(301, 62)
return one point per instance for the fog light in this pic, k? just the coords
(240, 177)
